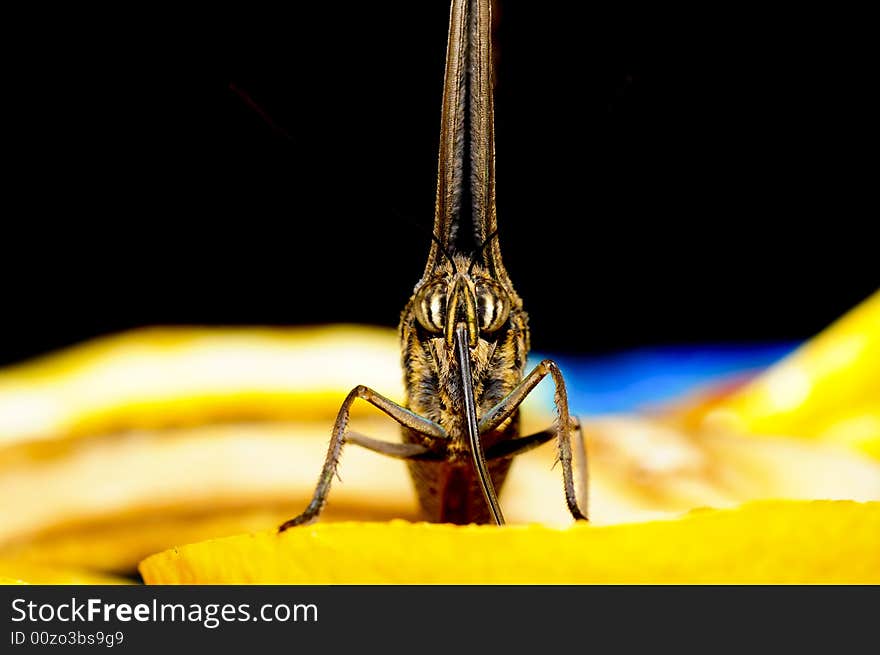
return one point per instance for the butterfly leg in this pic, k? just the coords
(508, 405)
(519, 445)
(435, 435)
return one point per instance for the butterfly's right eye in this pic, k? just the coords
(431, 307)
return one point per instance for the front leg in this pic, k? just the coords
(510, 403)
(511, 447)
(433, 433)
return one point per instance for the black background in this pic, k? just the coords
(703, 177)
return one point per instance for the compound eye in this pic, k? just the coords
(493, 305)
(431, 307)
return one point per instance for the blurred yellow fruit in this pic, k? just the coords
(107, 503)
(828, 389)
(126, 446)
(159, 377)
(766, 542)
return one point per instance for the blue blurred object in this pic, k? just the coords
(640, 379)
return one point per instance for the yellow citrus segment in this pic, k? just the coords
(829, 388)
(21, 571)
(761, 542)
(158, 377)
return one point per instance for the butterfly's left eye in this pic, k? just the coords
(493, 305)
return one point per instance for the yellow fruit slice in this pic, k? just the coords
(765, 542)
(158, 377)
(827, 389)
